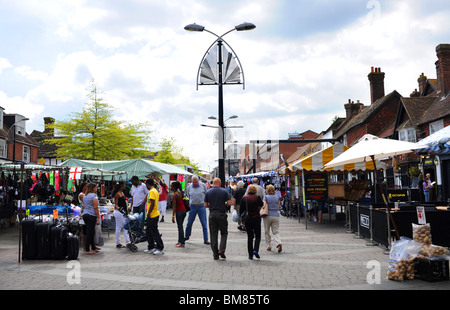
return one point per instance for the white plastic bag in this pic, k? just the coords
(401, 259)
(98, 238)
(235, 216)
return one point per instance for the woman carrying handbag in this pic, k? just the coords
(272, 220)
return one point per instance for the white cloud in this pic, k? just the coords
(28, 73)
(4, 64)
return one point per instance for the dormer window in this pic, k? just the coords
(436, 126)
(20, 128)
(407, 134)
(1, 117)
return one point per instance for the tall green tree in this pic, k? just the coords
(93, 134)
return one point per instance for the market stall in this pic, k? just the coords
(327, 185)
(65, 211)
(138, 167)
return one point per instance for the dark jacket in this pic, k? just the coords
(251, 203)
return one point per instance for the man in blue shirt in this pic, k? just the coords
(196, 193)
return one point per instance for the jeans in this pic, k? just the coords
(427, 196)
(140, 208)
(253, 227)
(179, 217)
(90, 222)
(153, 236)
(201, 211)
(218, 222)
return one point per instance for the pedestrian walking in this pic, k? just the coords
(91, 217)
(240, 192)
(217, 200)
(196, 192)
(259, 188)
(120, 210)
(139, 193)
(155, 243)
(272, 220)
(250, 205)
(162, 191)
(179, 211)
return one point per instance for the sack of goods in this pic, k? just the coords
(418, 258)
(401, 259)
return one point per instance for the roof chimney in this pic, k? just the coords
(49, 129)
(376, 78)
(443, 68)
(352, 108)
(422, 80)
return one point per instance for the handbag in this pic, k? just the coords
(264, 211)
(244, 215)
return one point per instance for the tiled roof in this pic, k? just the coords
(438, 109)
(416, 107)
(27, 139)
(365, 114)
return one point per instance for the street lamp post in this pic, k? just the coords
(208, 76)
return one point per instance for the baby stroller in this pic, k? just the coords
(135, 229)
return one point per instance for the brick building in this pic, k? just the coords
(426, 111)
(376, 119)
(26, 148)
(268, 155)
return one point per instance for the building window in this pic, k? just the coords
(3, 149)
(436, 126)
(408, 135)
(26, 154)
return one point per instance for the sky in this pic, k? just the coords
(302, 62)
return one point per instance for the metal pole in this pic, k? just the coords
(221, 123)
(304, 198)
(348, 218)
(384, 199)
(371, 242)
(20, 210)
(14, 153)
(358, 236)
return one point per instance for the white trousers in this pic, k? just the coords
(120, 221)
(162, 207)
(272, 223)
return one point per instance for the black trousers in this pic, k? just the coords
(90, 222)
(253, 227)
(153, 236)
(218, 222)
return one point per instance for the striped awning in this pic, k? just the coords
(316, 161)
(438, 142)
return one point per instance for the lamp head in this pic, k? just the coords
(245, 26)
(194, 27)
